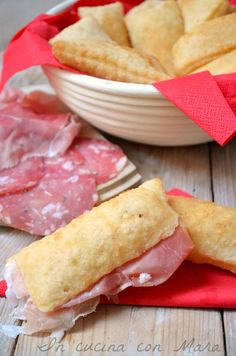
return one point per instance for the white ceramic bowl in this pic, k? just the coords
(135, 112)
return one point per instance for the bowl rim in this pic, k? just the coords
(103, 84)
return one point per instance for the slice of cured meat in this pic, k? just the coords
(152, 268)
(43, 103)
(10, 95)
(105, 159)
(25, 133)
(45, 181)
(25, 175)
(66, 190)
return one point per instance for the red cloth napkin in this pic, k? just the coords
(192, 285)
(207, 100)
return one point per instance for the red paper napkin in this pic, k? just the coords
(192, 285)
(207, 100)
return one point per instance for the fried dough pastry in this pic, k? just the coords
(205, 43)
(196, 12)
(223, 65)
(147, 4)
(212, 229)
(88, 27)
(107, 237)
(111, 19)
(109, 61)
(155, 29)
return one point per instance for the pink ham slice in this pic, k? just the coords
(56, 322)
(152, 268)
(66, 190)
(101, 157)
(25, 175)
(25, 133)
(10, 95)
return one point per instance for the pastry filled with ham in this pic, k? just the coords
(134, 240)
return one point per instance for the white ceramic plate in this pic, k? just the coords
(135, 112)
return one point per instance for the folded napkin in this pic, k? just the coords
(192, 285)
(207, 100)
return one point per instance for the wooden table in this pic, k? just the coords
(206, 171)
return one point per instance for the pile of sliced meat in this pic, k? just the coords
(48, 174)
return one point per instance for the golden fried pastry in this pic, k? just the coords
(109, 61)
(147, 4)
(155, 29)
(88, 27)
(111, 19)
(223, 65)
(133, 240)
(212, 228)
(94, 244)
(196, 12)
(205, 43)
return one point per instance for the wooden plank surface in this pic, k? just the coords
(224, 188)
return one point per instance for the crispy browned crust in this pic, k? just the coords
(109, 61)
(212, 228)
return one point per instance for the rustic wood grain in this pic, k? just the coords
(224, 187)
(224, 173)
(187, 168)
(230, 332)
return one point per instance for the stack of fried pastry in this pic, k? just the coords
(156, 40)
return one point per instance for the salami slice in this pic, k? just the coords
(25, 175)
(66, 190)
(101, 157)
